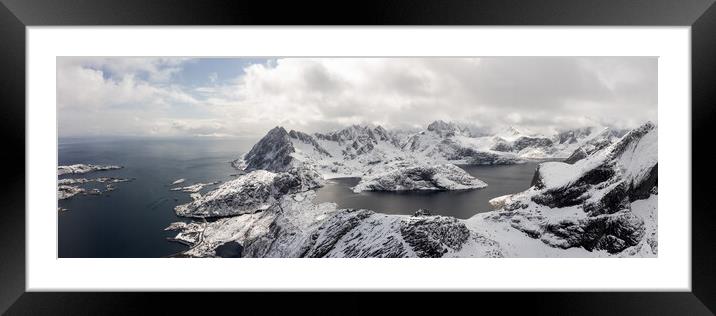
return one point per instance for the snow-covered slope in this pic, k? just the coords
(603, 205)
(358, 151)
(560, 145)
(296, 227)
(421, 178)
(250, 193)
(593, 203)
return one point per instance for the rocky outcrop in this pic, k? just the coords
(596, 143)
(250, 193)
(272, 152)
(600, 188)
(68, 191)
(458, 153)
(534, 142)
(445, 129)
(434, 236)
(421, 178)
(70, 187)
(84, 168)
(573, 136)
(296, 227)
(194, 188)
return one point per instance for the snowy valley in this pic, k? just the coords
(600, 200)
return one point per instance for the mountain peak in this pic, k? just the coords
(272, 152)
(444, 129)
(278, 130)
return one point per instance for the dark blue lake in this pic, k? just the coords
(130, 221)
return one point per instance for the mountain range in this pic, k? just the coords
(599, 202)
(358, 151)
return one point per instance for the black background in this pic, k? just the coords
(16, 14)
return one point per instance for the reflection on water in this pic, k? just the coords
(501, 180)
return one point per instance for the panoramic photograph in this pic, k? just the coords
(331, 157)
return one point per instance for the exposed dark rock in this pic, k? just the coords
(453, 151)
(605, 193)
(574, 193)
(577, 155)
(422, 212)
(502, 145)
(610, 232)
(613, 232)
(435, 235)
(324, 239)
(572, 136)
(614, 200)
(537, 179)
(445, 129)
(250, 193)
(535, 142)
(308, 139)
(647, 186)
(229, 250)
(272, 152)
(633, 136)
(438, 177)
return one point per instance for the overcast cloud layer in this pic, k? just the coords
(246, 97)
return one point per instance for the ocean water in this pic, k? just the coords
(129, 222)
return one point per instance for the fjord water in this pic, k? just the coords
(500, 179)
(130, 221)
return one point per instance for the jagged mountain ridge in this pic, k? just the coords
(599, 206)
(364, 150)
(588, 202)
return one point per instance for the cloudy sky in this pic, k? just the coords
(122, 96)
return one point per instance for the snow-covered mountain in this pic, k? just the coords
(604, 201)
(359, 151)
(250, 193)
(601, 205)
(560, 145)
(421, 178)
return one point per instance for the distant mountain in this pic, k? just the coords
(364, 150)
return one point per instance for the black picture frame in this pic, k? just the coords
(15, 15)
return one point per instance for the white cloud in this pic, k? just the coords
(321, 94)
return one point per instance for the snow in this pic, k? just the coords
(194, 188)
(249, 193)
(83, 168)
(500, 201)
(67, 188)
(421, 178)
(638, 158)
(359, 151)
(68, 191)
(646, 210)
(542, 221)
(85, 180)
